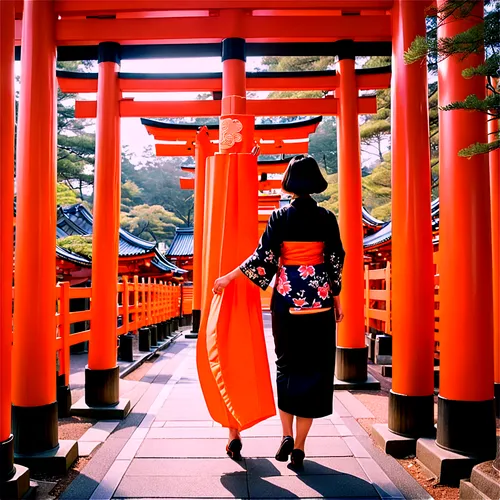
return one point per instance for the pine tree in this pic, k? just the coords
(482, 36)
(75, 146)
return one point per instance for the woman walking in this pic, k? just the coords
(302, 245)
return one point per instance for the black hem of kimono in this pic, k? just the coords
(305, 350)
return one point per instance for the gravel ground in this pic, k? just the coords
(378, 403)
(72, 428)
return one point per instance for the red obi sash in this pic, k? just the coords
(302, 253)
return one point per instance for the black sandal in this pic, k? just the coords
(285, 449)
(297, 459)
(234, 448)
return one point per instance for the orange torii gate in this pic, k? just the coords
(346, 82)
(110, 31)
(193, 140)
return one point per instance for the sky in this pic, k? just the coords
(134, 135)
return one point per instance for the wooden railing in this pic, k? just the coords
(140, 304)
(378, 301)
(187, 300)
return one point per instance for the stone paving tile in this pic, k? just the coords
(315, 447)
(187, 423)
(182, 448)
(378, 477)
(98, 433)
(356, 447)
(343, 430)
(110, 481)
(339, 408)
(276, 431)
(353, 405)
(318, 486)
(226, 486)
(183, 412)
(85, 448)
(186, 467)
(253, 447)
(187, 433)
(317, 466)
(354, 427)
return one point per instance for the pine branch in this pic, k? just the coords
(479, 149)
(473, 103)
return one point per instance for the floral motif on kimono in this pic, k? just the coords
(301, 286)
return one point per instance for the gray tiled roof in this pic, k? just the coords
(183, 242)
(77, 220)
(384, 234)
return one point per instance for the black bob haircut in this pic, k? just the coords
(303, 177)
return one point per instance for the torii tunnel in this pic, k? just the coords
(227, 186)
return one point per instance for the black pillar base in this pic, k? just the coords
(7, 469)
(351, 364)
(467, 427)
(102, 387)
(196, 316)
(34, 428)
(126, 347)
(17, 485)
(497, 400)
(161, 331)
(63, 401)
(411, 416)
(55, 462)
(154, 336)
(168, 327)
(175, 324)
(144, 339)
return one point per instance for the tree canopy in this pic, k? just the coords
(483, 36)
(150, 222)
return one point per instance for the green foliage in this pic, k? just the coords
(66, 195)
(158, 181)
(151, 223)
(297, 63)
(81, 245)
(331, 195)
(479, 149)
(418, 49)
(323, 145)
(473, 103)
(377, 190)
(131, 195)
(481, 37)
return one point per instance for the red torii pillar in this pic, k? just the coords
(34, 409)
(411, 402)
(203, 149)
(102, 374)
(466, 413)
(494, 158)
(14, 481)
(352, 353)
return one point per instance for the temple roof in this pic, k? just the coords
(182, 244)
(384, 235)
(77, 220)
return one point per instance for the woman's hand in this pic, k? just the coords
(339, 314)
(221, 283)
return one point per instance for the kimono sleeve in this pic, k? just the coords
(334, 254)
(262, 265)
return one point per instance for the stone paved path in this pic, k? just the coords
(170, 448)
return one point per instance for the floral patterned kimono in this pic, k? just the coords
(302, 246)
